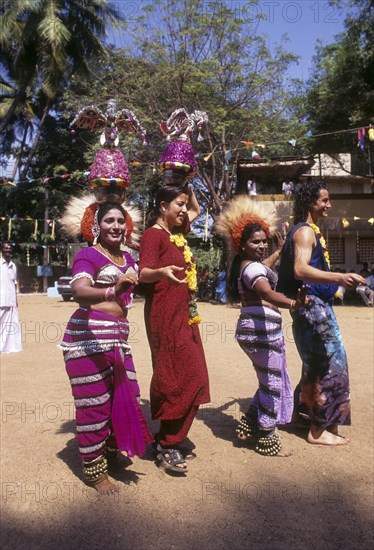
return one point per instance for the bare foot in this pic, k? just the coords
(106, 487)
(285, 452)
(333, 429)
(325, 437)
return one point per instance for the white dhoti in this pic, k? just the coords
(366, 294)
(10, 330)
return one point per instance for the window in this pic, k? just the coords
(365, 250)
(336, 247)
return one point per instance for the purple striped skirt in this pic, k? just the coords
(259, 334)
(103, 380)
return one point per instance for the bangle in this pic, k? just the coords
(110, 295)
(292, 305)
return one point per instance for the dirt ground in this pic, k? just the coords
(231, 498)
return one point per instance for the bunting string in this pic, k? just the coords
(251, 145)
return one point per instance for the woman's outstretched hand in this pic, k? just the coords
(301, 297)
(169, 273)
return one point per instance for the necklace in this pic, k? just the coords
(163, 227)
(191, 275)
(117, 259)
(317, 231)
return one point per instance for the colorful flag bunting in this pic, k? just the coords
(361, 138)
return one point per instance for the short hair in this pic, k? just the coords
(307, 195)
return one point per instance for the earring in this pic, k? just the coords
(96, 226)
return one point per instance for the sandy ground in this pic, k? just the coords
(231, 497)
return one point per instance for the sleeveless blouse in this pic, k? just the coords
(288, 284)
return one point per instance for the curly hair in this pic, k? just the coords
(307, 195)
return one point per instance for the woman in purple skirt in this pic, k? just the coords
(259, 327)
(96, 350)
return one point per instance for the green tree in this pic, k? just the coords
(193, 54)
(340, 93)
(45, 43)
(211, 58)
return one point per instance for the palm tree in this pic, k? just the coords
(48, 41)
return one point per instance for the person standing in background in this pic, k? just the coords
(287, 187)
(10, 329)
(251, 187)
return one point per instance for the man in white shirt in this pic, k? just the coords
(287, 187)
(10, 330)
(251, 187)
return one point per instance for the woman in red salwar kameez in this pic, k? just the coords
(180, 378)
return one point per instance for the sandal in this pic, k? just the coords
(170, 458)
(187, 454)
(246, 429)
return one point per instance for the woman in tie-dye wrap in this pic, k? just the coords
(259, 328)
(96, 350)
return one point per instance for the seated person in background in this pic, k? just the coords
(287, 187)
(367, 291)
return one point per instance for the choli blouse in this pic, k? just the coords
(90, 263)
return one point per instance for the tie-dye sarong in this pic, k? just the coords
(323, 391)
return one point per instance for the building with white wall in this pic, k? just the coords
(349, 229)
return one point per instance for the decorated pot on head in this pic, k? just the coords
(177, 163)
(109, 175)
(108, 178)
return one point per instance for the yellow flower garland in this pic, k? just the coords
(191, 275)
(317, 231)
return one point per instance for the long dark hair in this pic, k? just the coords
(307, 195)
(232, 285)
(167, 194)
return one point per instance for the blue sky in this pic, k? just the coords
(304, 21)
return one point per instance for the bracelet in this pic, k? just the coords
(110, 295)
(292, 305)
